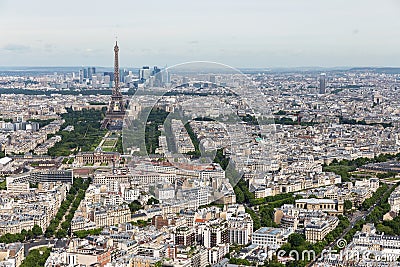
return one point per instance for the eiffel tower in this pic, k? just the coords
(116, 109)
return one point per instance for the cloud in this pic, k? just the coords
(16, 48)
(49, 48)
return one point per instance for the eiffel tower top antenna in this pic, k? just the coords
(116, 69)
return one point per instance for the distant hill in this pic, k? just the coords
(388, 70)
(38, 71)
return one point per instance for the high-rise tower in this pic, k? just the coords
(116, 109)
(322, 83)
(116, 70)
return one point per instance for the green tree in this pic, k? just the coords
(36, 257)
(3, 185)
(384, 229)
(296, 239)
(348, 205)
(37, 230)
(61, 233)
(135, 206)
(152, 201)
(85, 233)
(29, 235)
(239, 195)
(240, 262)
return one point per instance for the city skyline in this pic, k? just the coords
(257, 34)
(199, 134)
(178, 167)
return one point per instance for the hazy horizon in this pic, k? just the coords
(5, 67)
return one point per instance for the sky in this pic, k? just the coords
(239, 33)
